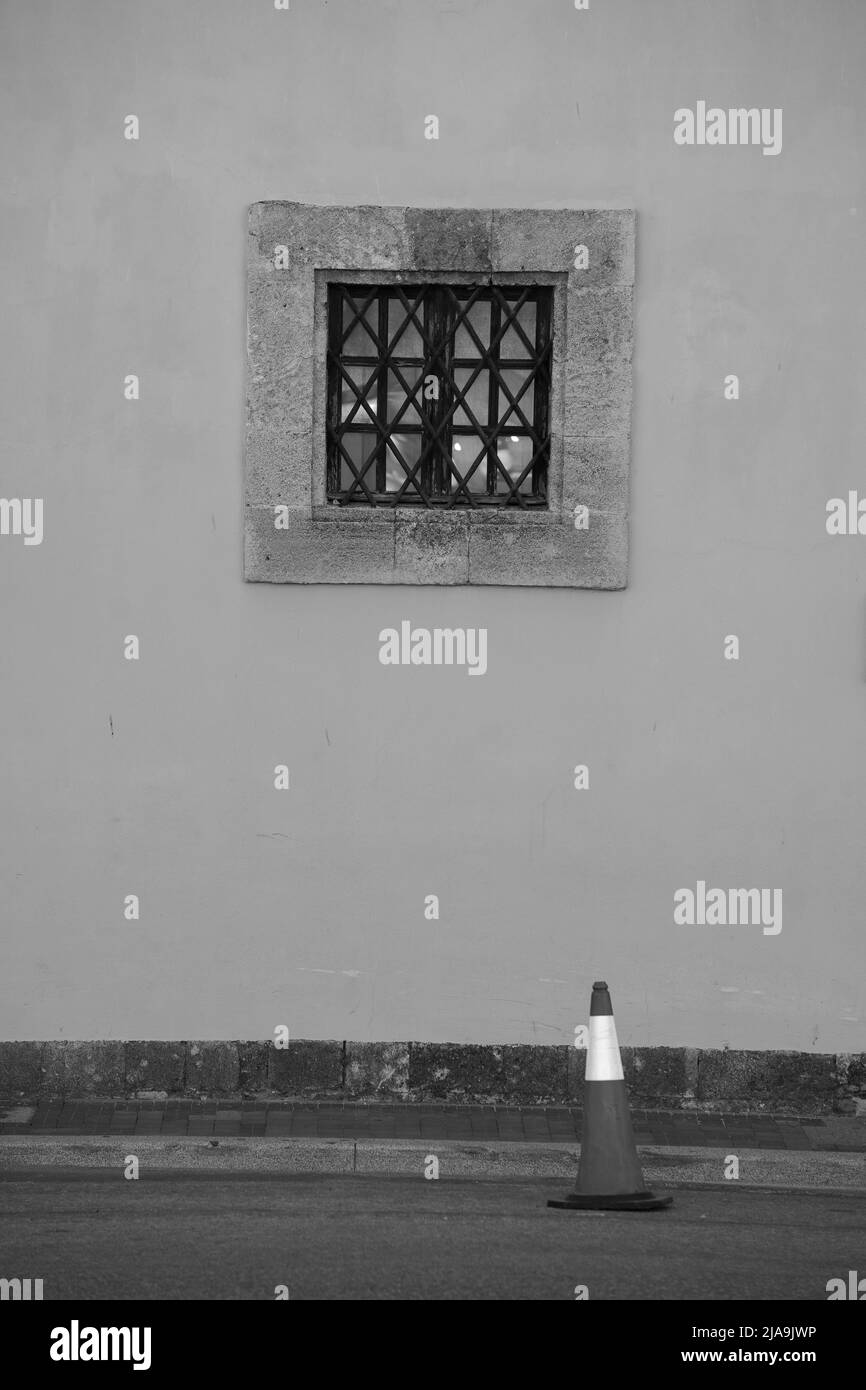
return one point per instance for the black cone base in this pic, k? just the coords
(617, 1201)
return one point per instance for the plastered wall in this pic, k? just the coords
(155, 778)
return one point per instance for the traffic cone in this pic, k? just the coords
(609, 1176)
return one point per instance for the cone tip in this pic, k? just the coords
(599, 984)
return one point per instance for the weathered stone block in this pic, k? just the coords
(21, 1069)
(600, 327)
(354, 238)
(318, 552)
(595, 558)
(450, 238)
(725, 1074)
(437, 1070)
(659, 1075)
(851, 1071)
(784, 1080)
(798, 1074)
(598, 476)
(535, 1074)
(212, 1068)
(544, 240)
(83, 1068)
(431, 549)
(280, 316)
(306, 1068)
(253, 1059)
(608, 420)
(155, 1066)
(278, 468)
(377, 1069)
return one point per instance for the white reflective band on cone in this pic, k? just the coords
(604, 1062)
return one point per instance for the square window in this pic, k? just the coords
(438, 395)
(434, 375)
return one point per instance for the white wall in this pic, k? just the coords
(306, 907)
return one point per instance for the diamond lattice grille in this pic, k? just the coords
(438, 395)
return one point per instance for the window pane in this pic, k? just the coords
(477, 397)
(380, 387)
(409, 448)
(360, 449)
(511, 344)
(464, 453)
(365, 387)
(359, 342)
(514, 455)
(514, 381)
(404, 338)
(479, 317)
(397, 396)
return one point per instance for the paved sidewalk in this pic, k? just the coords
(490, 1123)
(53, 1156)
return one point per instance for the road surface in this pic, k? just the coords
(170, 1235)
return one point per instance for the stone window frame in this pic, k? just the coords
(294, 536)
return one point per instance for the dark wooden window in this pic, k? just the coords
(485, 349)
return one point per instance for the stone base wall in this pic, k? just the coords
(658, 1077)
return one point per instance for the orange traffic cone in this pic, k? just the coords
(609, 1176)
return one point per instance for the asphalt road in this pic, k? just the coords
(173, 1235)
